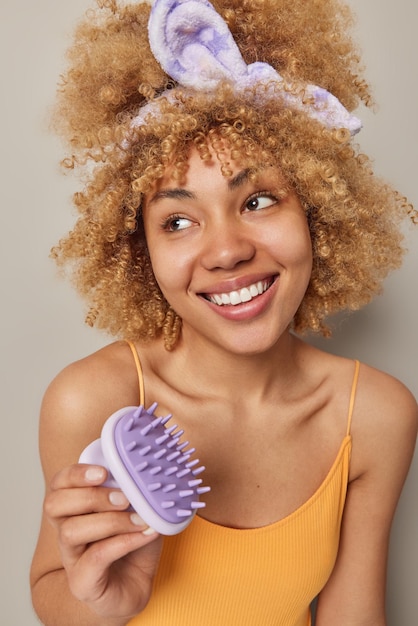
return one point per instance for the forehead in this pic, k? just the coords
(205, 179)
(218, 160)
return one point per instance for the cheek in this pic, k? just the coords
(164, 263)
(303, 256)
(303, 247)
(172, 271)
(292, 242)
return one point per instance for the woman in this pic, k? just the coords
(229, 213)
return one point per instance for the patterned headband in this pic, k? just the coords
(195, 47)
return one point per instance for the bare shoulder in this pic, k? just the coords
(386, 400)
(80, 399)
(109, 371)
(383, 432)
(385, 420)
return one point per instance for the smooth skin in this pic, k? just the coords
(243, 387)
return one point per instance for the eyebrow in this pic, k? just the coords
(178, 193)
(240, 179)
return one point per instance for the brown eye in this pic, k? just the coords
(176, 223)
(260, 201)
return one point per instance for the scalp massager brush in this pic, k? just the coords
(149, 464)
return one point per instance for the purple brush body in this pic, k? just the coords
(149, 464)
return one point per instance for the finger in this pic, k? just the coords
(86, 529)
(76, 533)
(79, 475)
(90, 574)
(64, 503)
(102, 554)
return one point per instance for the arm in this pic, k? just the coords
(384, 434)
(92, 565)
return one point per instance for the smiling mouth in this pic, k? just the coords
(246, 294)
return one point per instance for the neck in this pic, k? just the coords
(227, 374)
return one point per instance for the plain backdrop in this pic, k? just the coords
(42, 320)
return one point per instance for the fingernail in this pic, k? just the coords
(138, 521)
(149, 531)
(94, 474)
(117, 498)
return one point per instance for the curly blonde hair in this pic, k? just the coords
(354, 218)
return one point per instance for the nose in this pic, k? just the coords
(226, 245)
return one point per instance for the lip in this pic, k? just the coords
(243, 311)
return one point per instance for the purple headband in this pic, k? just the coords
(194, 46)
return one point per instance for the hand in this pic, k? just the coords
(109, 554)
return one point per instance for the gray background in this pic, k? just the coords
(42, 319)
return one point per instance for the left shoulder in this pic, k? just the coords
(385, 401)
(385, 418)
(383, 431)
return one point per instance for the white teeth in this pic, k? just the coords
(235, 298)
(246, 295)
(243, 295)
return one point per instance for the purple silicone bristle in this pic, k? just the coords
(152, 467)
(157, 469)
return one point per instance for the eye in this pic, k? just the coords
(175, 223)
(259, 201)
